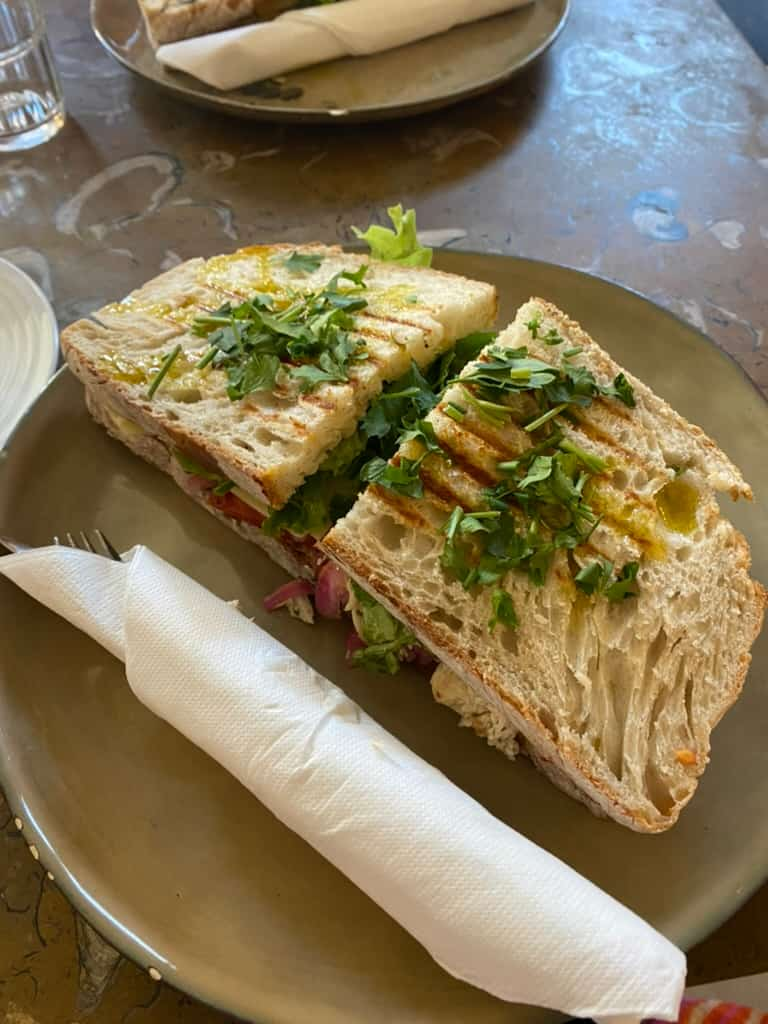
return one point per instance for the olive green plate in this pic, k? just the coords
(431, 73)
(180, 867)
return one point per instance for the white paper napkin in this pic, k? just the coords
(491, 907)
(296, 39)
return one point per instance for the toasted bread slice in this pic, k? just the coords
(615, 701)
(168, 21)
(267, 444)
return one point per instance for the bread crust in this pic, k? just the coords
(157, 450)
(168, 21)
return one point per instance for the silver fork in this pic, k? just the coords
(96, 542)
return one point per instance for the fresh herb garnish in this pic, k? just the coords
(222, 484)
(537, 509)
(318, 503)
(624, 586)
(455, 411)
(165, 366)
(309, 342)
(494, 412)
(451, 363)
(541, 505)
(592, 462)
(330, 492)
(302, 262)
(594, 577)
(553, 338)
(398, 246)
(622, 389)
(505, 373)
(402, 476)
(503, 610)
(384, 637)
(534, 324)
(597, 578)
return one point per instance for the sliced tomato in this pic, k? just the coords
(235, 508)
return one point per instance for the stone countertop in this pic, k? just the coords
(637, 149)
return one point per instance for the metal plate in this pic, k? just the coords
(176, 864)
(432, 73)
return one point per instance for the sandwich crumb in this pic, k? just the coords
(685, 757)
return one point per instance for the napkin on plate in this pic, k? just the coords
(492, 908)
(229, 59)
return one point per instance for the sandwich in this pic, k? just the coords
(551, 533)
(168, 21)
(262, 379)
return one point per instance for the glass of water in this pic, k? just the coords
(31, 103)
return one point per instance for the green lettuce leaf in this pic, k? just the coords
(398, 246)
(314, 507)
(384, 637)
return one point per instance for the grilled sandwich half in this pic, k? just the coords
(241, 375)
(552, 534)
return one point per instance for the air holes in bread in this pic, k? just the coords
(391, 533)
(421, 546)
(266, 437)
(620, 479)
(657, 792)
(241, 443)
(547, 719)
(438, 615)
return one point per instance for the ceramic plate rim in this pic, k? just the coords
(270, 112)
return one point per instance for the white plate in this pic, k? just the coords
(29, 344)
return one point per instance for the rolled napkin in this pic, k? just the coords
(298, 38)
(491, 907)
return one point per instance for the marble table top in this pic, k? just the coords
(637, 149)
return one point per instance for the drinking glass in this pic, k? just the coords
(31, 103)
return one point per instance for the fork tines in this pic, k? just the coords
(96, 542)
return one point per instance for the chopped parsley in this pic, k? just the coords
(307, 343)
(503, 610)
(553, 338)
(221, 484)
(534, 324)
(319, 502)
(167, 363)
(364, 456)
(505, 373)
(538, 508)
(402, 475)
(302, 262)
(384, 637)
(597, 578)
(623, 390)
